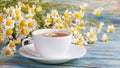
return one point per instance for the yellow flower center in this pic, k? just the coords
(57, 27)
(77, 27)
(91, 36)
(111, 30)
(22, 4)
(30, 24)
(1, 36)
(23, 23)
(17, 12)
(9, 23)
(10, 11)
(30, 16)
(24, 31)
(9, 32)
(18, 17)
(40, 8)
(82, 24)
(7, 52)
(1, 18)
(79, 42)
(54, 14)
(28, 7)
(18, 41)
(66, 15)
(98, 13)
(58, 20)
(106, 38)
(83, 8)
(33, 10)
(49, 19)
(63, 26)
(78, 15)
(12, 44)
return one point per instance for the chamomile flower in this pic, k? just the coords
(32, 10)
(58, 19)
(78, 15)
(17, 10)
(9, 22)
(97, 12)
(99, 27)
(10, 11)
(6, 51)
(12, 44)
(83, 7)
(2, 36)
(23, 32)
(29, 15)
(111, 28)
(54, 13)
(39, 9)
(81, 24)
(92, 38)
(32, 24)
(8, 32)
(67, 14)
(21, 4)
(105, 37)
(1, 18)
(57, 26)
(48, 20)
(18, 41)
(28, 7)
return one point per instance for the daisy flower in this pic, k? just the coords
(10, 11)
(2, 36)
(58, 19)
(92, 38)
(8, 32)
(99, 27)
(48, 20)
(32, 10)
(105, 37)
(23, 33)
(97, 12)
(57, 26)
(29, 15)
(78, 15)
(28, 7)
(9, 22)
(67, 14)
(1, 18)
(17, 10)
(54, 13)
(18, 41)
(81, 24)
(83, 7)
(32, 24)
(111, 28)
(39, 9)
(21, 4)
(6, 51)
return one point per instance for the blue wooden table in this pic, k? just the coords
(99, 55)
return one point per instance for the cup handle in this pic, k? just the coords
(27, 39)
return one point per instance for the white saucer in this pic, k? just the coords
(74, 53)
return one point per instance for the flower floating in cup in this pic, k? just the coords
(16, 24)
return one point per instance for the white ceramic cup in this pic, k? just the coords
(50, 47)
